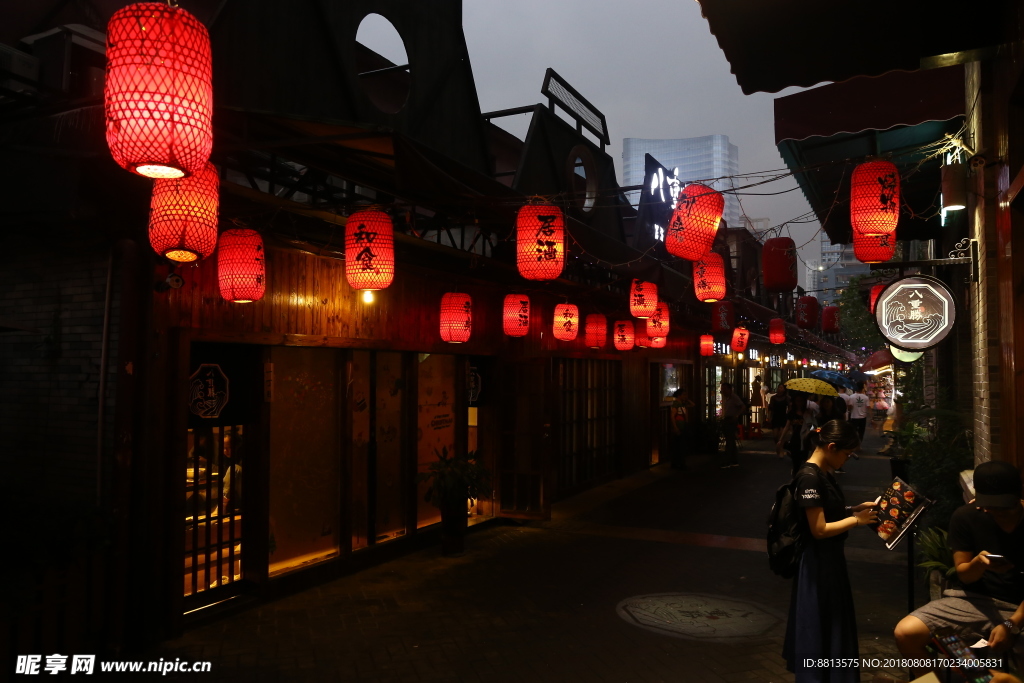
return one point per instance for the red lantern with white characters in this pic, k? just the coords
(183, 215)
(567, 322)
(876, 291)
(158, 95)
(659, 342)
(875, 198)
(623, 335)
(596, 334)
(641, 339)
(456, 317)
(709, 278)
(515, 317)
(874, 248)
(707, 345)
(778, 265)
(806, 312)
(777, 331)
(369, 250)
(830, 319)
(694, 223)
(659, 324)
(740, 338)
(723, 316)
(643, 299)
(241, 268)
(540, 241)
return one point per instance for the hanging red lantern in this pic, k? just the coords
(456, 317)
(694, 223)
(777, 331)
(740, 338)
(567, 322)
(806, 312)
(830, 319)
(540, 241)
(623, 335)
(516, 315)
(778, 264)
(659, 342)
(876, 292)
(875, 198)
(241, 268)
(659, 324)
(596, 334)
(643, 299)
(723, 316)
(707, 345)
(369, 250)
(874, 248)
(709, 278)
(158, 95)
(805, 362)
(183, 215)
(641, 339)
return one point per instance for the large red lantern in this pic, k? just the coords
(659, 324)
(183, 215)
(456, 317)
(158, 96)
(694, 223)
(659, 342)
(830, 319)
(723, 316)
(515, 317)
(709, 278)
(875, 198)
(540, 241)
(806, 312)
(778, 265)
(707, 345)
(777, 331)
(876, 292)
(623, 335)
(369, 250)
(643, 299)
(241, 268)
(567, 322)
(740, 339)
(596, 334)
(874, 248)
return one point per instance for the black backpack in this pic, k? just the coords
(785, 531)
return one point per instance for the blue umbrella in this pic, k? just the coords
(833, 377)
(858, 376)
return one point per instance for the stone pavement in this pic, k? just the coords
(657, 577)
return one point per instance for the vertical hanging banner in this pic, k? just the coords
(915, 313)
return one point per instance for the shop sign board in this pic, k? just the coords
(916, 312)
(208, 391)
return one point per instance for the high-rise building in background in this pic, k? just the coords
(838, 265)
(703, 158)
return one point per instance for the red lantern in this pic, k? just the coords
(643, 299)
(516, 315)
(806, 312)
(723, 316)
(709, 278)
(183, 216)
(778, 264)
(241, 269)
(874, 248)
(659, 324)
(777, 331)
(694, 223)
(369, 250)
(456, 317)
(623, 335)
(740, 338)
(642, 340)
(707, 345)
(830, 319)
(597, 331)
(805, 362)
(158, 96)
(875, 198)
(540, 241)
(567, 322)
(659, 342)
(876, 292)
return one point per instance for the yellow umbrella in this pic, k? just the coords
(811, 386)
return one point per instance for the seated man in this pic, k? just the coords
(987, 539)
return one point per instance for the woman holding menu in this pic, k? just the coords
(821, 633)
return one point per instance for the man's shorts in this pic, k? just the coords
(971, 615)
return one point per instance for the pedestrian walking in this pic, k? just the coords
(859, 403)
(733, 408)
(793, 434)
(778, 406)
(756, 401)
(822, 622)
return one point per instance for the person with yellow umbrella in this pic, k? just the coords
(803, 414)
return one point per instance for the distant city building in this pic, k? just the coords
(838, 266)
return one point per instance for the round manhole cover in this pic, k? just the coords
(699, 617)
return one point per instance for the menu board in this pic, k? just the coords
(898, 509)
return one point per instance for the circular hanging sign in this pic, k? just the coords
(905, 356)
(916, 312)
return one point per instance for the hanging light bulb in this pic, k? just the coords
(954, 187)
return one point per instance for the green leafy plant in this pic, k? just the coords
(455, 478)
(859, 329)
(933, 548)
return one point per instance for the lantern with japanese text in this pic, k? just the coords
(158, 94)
(623, 335)
(777, 331)
(876, 291)
(707, 345)
(778, 265)
(183, 215)
(874, 248)
(643, 299)
(723, 316)
(641, 339)
(740, 338)
(659, 324)
(596, 334)
(830, 319)
(540, 241)
(369, 250)
(694, 223)
(456, 317)
(241, 269)
(659, 342)
(567, 322)
(709, 278)
(875, 198)
(806, 312)
(515, 315)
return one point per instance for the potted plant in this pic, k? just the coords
(454, 479)
(937, 560)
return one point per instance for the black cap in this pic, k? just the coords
(996, 485)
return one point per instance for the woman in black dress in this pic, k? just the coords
(822, 623)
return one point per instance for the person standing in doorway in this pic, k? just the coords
(681, 405)
(859, 403)
(757, 401)
(733, 408)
